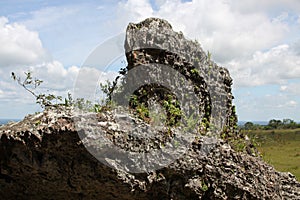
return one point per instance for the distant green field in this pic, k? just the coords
(280, 148)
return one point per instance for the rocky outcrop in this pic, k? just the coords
(153, 42)
(63, 154)
(42, 157)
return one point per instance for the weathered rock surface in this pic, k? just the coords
(45, 155)
(42, 157)
(153, 42)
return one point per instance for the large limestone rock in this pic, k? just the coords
(45, 156)
(42, 157)
(153, 42)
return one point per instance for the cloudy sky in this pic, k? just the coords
(257, 40)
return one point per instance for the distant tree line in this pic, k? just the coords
(272, 125)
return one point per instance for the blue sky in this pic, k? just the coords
(258, 41)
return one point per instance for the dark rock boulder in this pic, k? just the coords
(42, 157)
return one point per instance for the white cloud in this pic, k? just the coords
(88, 80)
(100, 7)
(55, 75)
(11, 92)
(283, 88)
(57, 80)
(18, 45)
(70, 31)
(133, 11)
(275, 66)
(265, 5)
(281, 18)
(251, 44)
(296, 47)
(292, 103)
(225, 33)
(159, 3)
(291, 89)
(265, 107)
(288, 104)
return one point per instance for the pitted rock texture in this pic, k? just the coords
(153, 42)
(42, 157)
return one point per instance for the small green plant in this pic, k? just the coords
(134, 102)
(173, 110)
(196, 60)
(195, 71)
(108, 89)
(69, 100)
(208, 56)
(204, 187)
(30, 84)
(191, 123)
(172, 113)
(157, 114)
(238, 145)
(176, 144)
(143, 112)
(204, 125)
(138, 26)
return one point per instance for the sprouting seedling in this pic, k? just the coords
(208, 56)
(29, 82)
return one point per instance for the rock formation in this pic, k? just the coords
(45, 156)
(153, 42)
